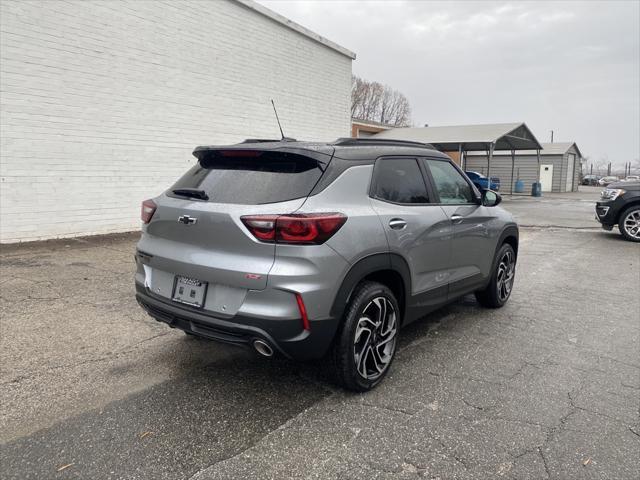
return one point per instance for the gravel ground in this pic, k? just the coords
(547, 387)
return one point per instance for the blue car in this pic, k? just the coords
(482, 182)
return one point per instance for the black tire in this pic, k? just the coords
(496, 294)
(365, 302)
(635, 211)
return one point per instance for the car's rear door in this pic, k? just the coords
(416, 229)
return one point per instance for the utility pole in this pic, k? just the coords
(551, 136)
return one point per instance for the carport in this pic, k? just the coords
(464, 138)
(559, 171)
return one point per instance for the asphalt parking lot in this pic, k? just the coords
(547, 387)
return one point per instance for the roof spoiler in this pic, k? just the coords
(268, 140)
(239, 151)
(349, 142)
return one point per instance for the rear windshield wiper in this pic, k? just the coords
(191, 193)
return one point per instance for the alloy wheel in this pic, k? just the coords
(506, 275)
(375, 339)
(631, 224)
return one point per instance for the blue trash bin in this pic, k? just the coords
(536, 189)
(519, 187)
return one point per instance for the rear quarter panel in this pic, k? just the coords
(362, 234)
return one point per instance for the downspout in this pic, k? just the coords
(513, 164)
(491, 147)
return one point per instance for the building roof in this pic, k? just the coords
(276, 17)
(370, 123)
(505, 136)
(555, 148)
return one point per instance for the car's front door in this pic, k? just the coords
(416, 229)
(474, 241)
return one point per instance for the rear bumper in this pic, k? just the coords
(284, 336)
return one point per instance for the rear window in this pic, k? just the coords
(399, 181)
(267, 177)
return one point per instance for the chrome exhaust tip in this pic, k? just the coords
(263, 348)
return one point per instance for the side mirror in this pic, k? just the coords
(490, 198)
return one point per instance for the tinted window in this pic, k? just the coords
(450, 184)
(399, 181)
(268, 178)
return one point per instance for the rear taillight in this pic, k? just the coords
(261, 226)
(147, 211)
(298, 228)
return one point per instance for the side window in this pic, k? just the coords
(450, 184)
(399, 181)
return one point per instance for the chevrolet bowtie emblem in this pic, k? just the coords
(187, 220)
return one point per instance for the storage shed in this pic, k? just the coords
(458, 140)
(560, 165)
(103, 102)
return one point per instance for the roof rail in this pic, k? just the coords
(268, 140)
(347, 141)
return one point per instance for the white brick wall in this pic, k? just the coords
(102, 102)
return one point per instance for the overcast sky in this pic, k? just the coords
(571, 67)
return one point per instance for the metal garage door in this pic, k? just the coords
(571, 165)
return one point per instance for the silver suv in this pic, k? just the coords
(321, 249)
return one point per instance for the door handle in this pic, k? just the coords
(455, 218)
(397, 223)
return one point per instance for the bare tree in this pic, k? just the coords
(601, 165)
(379, 103)
(584, 166)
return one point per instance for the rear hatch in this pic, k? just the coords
(196, 231)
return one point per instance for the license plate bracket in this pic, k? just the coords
(189, 291)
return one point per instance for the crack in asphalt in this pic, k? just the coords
(576, 407)
(544, 462)
(390, 409)
(477, 407)
(449, 452)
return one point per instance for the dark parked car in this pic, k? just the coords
(482, 182)
(620, 205)
(591, 180)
